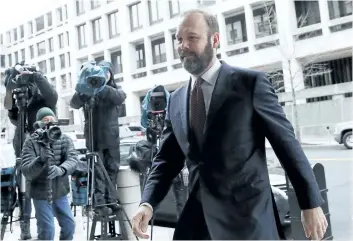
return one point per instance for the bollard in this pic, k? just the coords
(297, 230)
(129, 194)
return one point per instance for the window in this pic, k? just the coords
(99, 59)
(62, 61)
(117, 62)
(80, 7)
(8, 37)
(265, 20)
(61, 41)
(31, 51)
(68, 59)
(155, 12)
(175, 47)
(65, 11)
(50, 19)
(81, 36)
(96, 24)
(277, 81)
(158, 51)
(41, 48)
(14, 34)
(63, 81)
(206, 2)
(9, 57)
(30, 27)
(236, 29)
(67, 39)
(307, 12)
(140, 56)
(59, 14)
(95, 4)
(51, 44)
(339, 9)
(16, 57)
(40, 23)
(22, 31)
(2, 61)
(135, 20)
(43, 66)
(52, 64)
(113, 24)
(23, 54)
(174, 8)
(1, 39)
(53, 82)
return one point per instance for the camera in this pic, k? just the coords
(17, 74)
(48, 132)
(91, 79)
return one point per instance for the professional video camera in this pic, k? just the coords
(21, 74)
(154, 108)
(91, 79)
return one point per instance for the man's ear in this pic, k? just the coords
(215, 40)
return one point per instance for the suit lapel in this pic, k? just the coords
(220, 93)
(184, 109)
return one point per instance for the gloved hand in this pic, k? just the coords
(46, 155)
(55, 171)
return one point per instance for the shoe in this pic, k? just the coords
(114, 207)
(103, 211)
(25, 230)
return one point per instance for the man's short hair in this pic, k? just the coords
(210, 20)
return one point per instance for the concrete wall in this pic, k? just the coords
(315, 117)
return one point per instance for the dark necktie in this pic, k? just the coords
(197, 110)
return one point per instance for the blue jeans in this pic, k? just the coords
(45, 218)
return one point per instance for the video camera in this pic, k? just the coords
(154, 109)
(47, 132)
(21, 74)
(91, 79)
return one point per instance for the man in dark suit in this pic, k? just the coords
(218, 123)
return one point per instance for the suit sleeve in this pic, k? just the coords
(280, 133)
(166, 165)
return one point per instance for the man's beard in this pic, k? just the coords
(197, 63)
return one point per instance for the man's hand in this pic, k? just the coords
(140, 221)
(55, 171)
(314, 223)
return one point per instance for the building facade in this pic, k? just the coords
(302, 45)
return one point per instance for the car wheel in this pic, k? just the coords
(347, 140)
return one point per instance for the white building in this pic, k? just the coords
(137, 37)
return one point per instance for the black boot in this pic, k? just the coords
(25, 230)
(103, 211)
(115, 207)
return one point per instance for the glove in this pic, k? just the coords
(55, 171)
(46, 155)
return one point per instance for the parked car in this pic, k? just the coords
(79, 140)
(137, 129)
(342, 133)
(166, 214)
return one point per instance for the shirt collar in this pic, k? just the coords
(210, 76)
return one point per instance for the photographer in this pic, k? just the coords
(43, 163)
(40, 94)
(106, 136)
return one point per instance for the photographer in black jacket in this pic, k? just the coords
(106, 137)
(40, 94)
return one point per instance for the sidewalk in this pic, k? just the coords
(312, 141)
(159, 233)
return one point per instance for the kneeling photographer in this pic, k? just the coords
(48, 158)
(29, 89)
(97, 91)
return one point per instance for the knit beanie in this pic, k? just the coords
(43, 112)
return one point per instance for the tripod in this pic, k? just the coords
(22, 98)
(109, 219)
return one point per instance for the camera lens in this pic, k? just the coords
(54, 133)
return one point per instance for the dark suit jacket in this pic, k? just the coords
(231, 168)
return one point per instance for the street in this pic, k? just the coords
(338, 165)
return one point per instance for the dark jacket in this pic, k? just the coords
(105, 115)
(42, 94)
(36, 174)
(229, 170)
